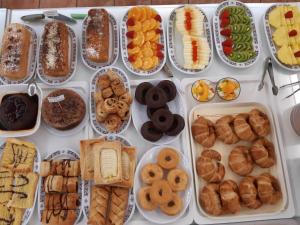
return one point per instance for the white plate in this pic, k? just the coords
(139, 114)
(72, 62)
(88, 184)
(219, 38)
(21, 88)
(124, 53)
(113, 44)
(213, 112)
(36, 168)
(156, 216)
(61, 154)
(79, 127)
(31, 60)
(175, 45)
(269, 32)
(99, 127)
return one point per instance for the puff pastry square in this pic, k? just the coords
(59, 217)
(63, 167)
(54, 183)
(61, 201)
(70, 185)
(10, 216)
(6, 181)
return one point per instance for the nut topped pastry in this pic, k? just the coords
(15, 52)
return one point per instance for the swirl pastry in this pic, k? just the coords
(230, 198)
(103, 82)
(259, 122)
(204, 132)
(126, 97)
(263, 154)
(101, 114)
(113, 122)
(225, 131)
(248, 193)
(122, 108)
(240, 161)
(118, 87)
(107, 92)
(268, 188)
(242, 128)
(110, 105)
(210, 201)
(209, 166)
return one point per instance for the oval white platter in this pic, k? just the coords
(218, 37)
(88, 184)
(79, 127)
(124, 42)
(36, 168)
(269, 31)
(98, 127)
(61, 154)
(175, 46)
(113, 44)
(31, 60)
(156, 216)
(139, 114)
(72, 62)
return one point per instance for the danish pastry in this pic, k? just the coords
(144, 199)
(151, 172)
(107, 92)
(113, 122)
(229, 194)
(243, 129)
(210, 201)
(126, 97)
(168, 158)
(248, 193)
(118, 87)
(110, 105)
(263, 154)
(178, 179)
(161, 192)
(225, 131)
(240, 161)
(122, 108)
(259, 122)
(209, 166)
(268, 188)
(203, 132)
(172, 207)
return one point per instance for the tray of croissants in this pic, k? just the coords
(236, 160)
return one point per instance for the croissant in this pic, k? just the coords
(229, 193)
(268, 188)
(259, 122)
(210, 201)
(240, 161)
(242, 128)
(225, 131)
(209, 166)
(248, 193)
(263, 153)
(203, 132)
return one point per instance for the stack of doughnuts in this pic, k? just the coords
(163, 181)
(162, 120)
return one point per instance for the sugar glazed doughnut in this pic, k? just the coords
(209, 166)
(178, 179)
(203, 132)
(209, 199)
(242, 128)
(263, 153)
(168, 158)
(259, 122)
(230, 198)
(161, 192)
(151, 172)
(248, 192)
(240, 161)
(145, 199)
(172, 207)
(225, 130)
(268, 188)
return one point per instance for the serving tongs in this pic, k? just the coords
(289, 85)
(268, 68)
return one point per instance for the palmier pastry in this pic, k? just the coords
(242, 128)
(248, 193)
(229, 193)
(161, 192)
(178, 179)
(101, 114)
(113, 122)
(168, 158)
(122, 108)
(240, 161)
(103, 82)
(145, 199)
(151, 172)
(107, 92)
(126, 97)
(209, 166)
(141, 92)
(225, 131)
(204, 132)
(169, 89)
(172, 207)
(156, 98)
(110, 105)
(268, 188)
(118, 87)
(209, 199)
(259, 122)
(263, 153)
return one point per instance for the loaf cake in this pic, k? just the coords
(97, 36)
(55, 49)
(15, 52)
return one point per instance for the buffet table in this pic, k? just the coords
(218, 69)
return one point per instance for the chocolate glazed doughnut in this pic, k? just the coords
(150, 133)
(156, 98)
(177, 126)
(162, 119)
(150, 111)
(141, 91)
(169, 89)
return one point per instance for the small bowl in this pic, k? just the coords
(210, 90)
(232, 95)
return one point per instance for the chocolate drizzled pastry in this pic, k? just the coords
(18, 111)
(63, 114)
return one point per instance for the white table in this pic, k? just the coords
(290, 139)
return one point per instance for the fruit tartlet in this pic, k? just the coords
(203, 90)
(228, 89)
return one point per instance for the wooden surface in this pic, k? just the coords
(23, 4)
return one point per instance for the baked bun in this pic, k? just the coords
(203, 132)
(225, 131)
